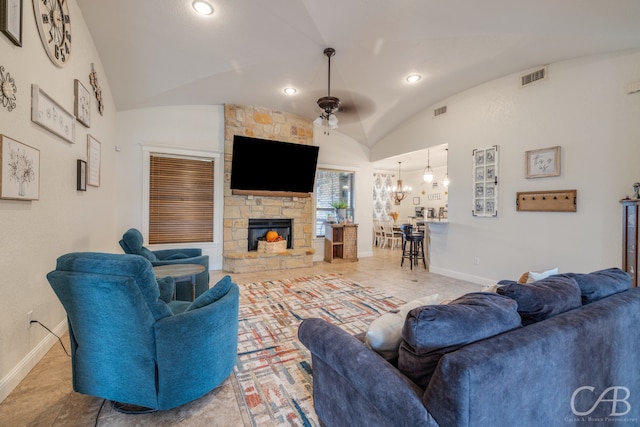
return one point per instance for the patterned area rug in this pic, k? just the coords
(274, 369)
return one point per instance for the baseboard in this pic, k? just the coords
(20, 371)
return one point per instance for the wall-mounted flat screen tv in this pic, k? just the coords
(262, 165)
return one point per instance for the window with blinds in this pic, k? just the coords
(180, 200)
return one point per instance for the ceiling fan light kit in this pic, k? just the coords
(329, 104)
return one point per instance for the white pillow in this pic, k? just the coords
(384, 334)
(534, 277)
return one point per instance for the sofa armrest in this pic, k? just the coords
(354, 386)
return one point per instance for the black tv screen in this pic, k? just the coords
(264, 165)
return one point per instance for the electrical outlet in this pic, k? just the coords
(29, 316)
(476, 261)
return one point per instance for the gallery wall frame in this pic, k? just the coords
(93, 161)
(82, 103)
(50, 115)
(485, 181)
(81, 172)
(542, 162)
(19, 170)
(11, 20)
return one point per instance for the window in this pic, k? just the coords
(332, 186)
(180, 199)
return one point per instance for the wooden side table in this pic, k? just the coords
(341, 243)
(180, 273)
(630, 255)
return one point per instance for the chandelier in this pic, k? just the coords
(400, 192)
(428, 172)
(329, 104)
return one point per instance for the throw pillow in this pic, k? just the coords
(219, 290)
(544, 298)
(601, 283)
(166, 285)
(532, 276)
(431, 332)
(384, 334)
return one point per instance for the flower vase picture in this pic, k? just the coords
(20, 169)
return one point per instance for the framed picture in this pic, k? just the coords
(82, 175)
(50, 115)
(93, 161)
(19, 170)
(543, 162)
(82, 103)
(416, 200)
(11, 20)
(485, 182)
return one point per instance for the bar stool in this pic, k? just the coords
(415, 252)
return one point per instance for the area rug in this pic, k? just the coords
(274, 371)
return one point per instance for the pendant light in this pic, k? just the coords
(400, 192)
(428, 172)
(329, 104)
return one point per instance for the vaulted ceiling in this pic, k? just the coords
(160, 52)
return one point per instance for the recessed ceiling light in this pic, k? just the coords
(202, 7)
(413, 78)
(290, 90)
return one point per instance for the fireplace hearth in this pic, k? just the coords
(258, 229)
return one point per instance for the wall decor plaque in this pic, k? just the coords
(485, 182)
(82, 103)
(93, 161)
(11, 20)
(19, 170)
(50, 115)
(543, 162)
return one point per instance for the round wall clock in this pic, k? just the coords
(54, 26)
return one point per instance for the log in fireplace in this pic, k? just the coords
(258, 229)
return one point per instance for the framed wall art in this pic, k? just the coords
(485, 182)
(11, 20)
(50, 115)
(81, 173)
(82, 103)
(19, 170)
(93, 161)
(543, 162)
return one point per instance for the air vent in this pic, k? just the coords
(533, 76)
(439, 111)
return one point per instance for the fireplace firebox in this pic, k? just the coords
(258, 229)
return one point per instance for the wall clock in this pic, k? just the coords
(54, 26)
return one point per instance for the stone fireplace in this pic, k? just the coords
(239, 210)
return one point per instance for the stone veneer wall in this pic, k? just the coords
(268, 124)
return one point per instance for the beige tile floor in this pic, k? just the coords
(45, 397)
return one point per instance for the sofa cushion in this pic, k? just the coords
(432, 331)
(384, 334)
(601, 283)
(544, 298)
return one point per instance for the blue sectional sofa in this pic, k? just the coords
(572, 364)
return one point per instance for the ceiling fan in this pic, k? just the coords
(329, 104)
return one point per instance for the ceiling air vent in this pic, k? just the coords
(533, 76)
(439, 111)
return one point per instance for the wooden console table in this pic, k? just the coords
(341, 243)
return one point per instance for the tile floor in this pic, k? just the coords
(45, 397)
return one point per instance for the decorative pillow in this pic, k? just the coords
(431, 332)
(385, 333)
(544, 298)
(601, 283)
(212, 295)
(532, 276)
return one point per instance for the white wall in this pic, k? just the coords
(34, 233)
(582, 107)
(197, 128)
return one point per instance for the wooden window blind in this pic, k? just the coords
(180, 200)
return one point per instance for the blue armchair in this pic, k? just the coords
(129, 346)
(132, 242)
